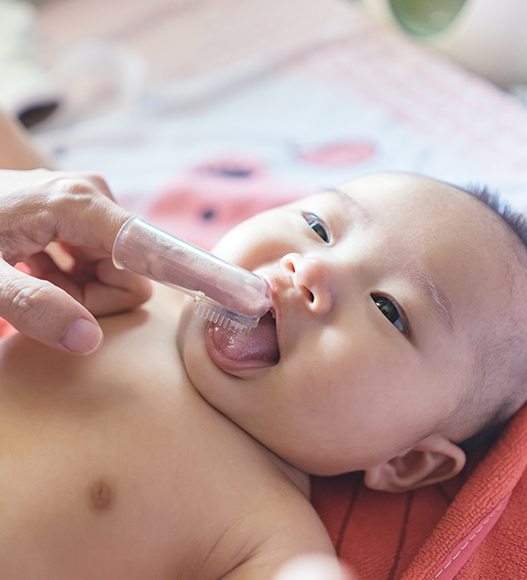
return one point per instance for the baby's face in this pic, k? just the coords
(378, 292)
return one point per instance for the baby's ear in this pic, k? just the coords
(432, 460)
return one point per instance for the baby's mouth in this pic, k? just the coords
(235, 351)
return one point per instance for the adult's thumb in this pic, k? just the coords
(46, 313)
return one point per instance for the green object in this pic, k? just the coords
(425, 17)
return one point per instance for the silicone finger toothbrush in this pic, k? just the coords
(225, 294)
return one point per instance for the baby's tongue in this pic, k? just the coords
(257, 348)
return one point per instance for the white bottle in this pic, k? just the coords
(489, 37)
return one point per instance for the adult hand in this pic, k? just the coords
(56, 304)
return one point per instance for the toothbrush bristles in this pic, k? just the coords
(212, 315)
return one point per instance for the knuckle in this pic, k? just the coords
(77, 186)
(89, 183)
(27, 301)
(70, 191)
(96, 180)
(83, 187)
(84, 212)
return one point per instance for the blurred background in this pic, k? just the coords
(116, 45)
(259, 101)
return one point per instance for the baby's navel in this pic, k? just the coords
(101, 495)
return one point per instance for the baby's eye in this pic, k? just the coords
(317, 225)
(392, 312)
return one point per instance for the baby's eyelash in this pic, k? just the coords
(393, 312)
(317, 225)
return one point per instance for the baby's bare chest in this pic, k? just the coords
(134, 486)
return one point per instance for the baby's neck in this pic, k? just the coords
(300, 479)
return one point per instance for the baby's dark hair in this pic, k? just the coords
(496, 356)
(516, 221)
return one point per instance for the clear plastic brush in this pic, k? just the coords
(225, 294)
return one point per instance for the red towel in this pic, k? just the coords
(473, 526)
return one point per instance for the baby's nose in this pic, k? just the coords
(312, 276)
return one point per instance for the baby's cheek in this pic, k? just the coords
(245, 245)
(233, 247)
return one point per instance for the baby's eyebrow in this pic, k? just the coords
(350, 203)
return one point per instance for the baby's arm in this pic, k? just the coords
(295, 547)
(304, 567)
(16, 149)
(315, 567)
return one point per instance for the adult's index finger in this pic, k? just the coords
(84, 216)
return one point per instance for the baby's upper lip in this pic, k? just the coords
(273, 290)
(279, 284)
(275, 298)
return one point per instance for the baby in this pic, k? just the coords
(179, 450)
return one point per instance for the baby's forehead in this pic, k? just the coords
(405, 189)
(428, 201)
(413, 205)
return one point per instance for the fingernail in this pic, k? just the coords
(82, 337)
